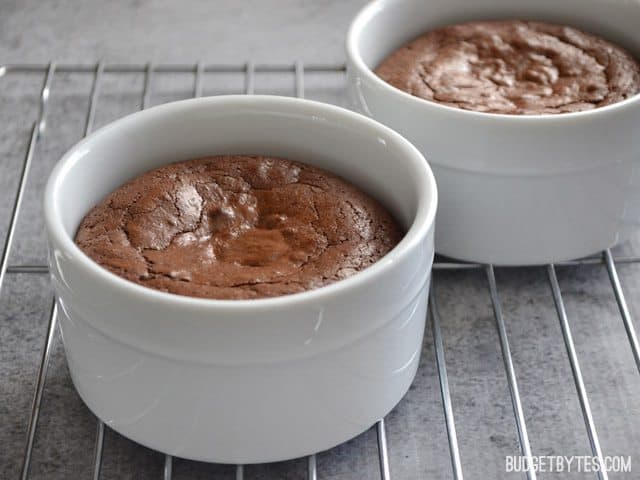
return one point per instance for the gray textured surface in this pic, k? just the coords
(283, 31)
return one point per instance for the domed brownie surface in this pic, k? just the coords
(237, 227)
(513, 67)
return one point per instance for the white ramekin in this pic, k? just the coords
(513, 189)
(248, 380)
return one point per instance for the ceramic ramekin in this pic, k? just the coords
(513, 189)
(242, 381)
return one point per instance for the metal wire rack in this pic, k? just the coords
(298, 70)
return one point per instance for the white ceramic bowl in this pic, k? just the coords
(242, 381)
(513, 189)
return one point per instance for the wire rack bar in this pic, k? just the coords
(45, 93)
(622, 306)
(27, 269)
(146, 92)
(93, 99)
(37, 397)
(312, 469)
(97, 452)
(516, 402)
(239, 472)
(575, 368)
(299, 73)
(441, 365)
(383, 455)
(172, 68)
(198, 80)
(167, 471)
(249, 78)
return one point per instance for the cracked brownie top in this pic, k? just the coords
(237, 227)
(513, 67)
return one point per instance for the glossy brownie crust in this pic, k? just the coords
(513, 67)
(237, 227)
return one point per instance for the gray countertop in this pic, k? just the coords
(283, 31)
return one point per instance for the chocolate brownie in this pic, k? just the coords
(237, 227)
(513, 67)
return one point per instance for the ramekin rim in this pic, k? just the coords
(353, 54)
(419, 227)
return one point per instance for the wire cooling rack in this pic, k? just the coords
(299, 71)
